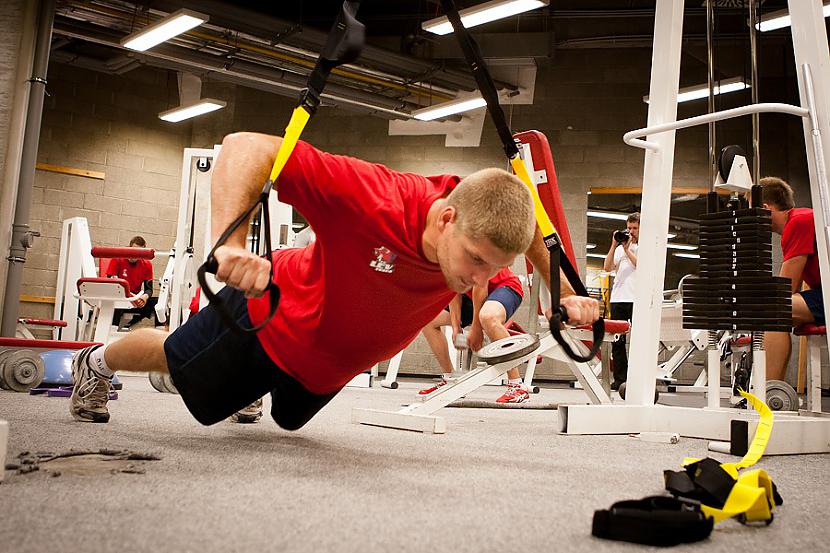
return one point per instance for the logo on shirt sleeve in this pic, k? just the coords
(384, 261)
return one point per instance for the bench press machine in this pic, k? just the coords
(419, 416)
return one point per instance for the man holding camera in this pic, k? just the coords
(622, 258)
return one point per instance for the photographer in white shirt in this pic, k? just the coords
(622, 258)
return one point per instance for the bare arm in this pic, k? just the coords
(455, 315)
(793, 269)
(241, 169)
(631, 255)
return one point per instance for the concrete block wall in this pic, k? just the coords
(105, 123)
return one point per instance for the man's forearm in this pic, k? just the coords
(479, 297)
(241, 170)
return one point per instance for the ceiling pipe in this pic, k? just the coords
(246, 73)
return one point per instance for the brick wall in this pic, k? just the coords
(109, 124)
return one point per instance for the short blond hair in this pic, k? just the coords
(495, 205)
(777, 192)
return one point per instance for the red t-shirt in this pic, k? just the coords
(134, 274)
(505, 277)
(363, 290)
(799, 238)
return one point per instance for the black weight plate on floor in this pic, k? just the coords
(746, 212)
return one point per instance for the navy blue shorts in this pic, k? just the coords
(218, 372)
(508, 297)
(815, 301)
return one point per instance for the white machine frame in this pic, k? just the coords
(791, 433)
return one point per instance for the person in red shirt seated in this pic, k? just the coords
(485, 310)
(139, 276)
(392, 250)
(798, 244)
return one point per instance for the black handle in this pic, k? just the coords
(560, 316)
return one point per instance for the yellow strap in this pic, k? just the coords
(292, 133)
(542, 218)
(751, 495)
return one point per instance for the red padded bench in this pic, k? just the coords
(814, 334)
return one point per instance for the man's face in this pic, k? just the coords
(466, 262)
(634, 229)
(133, 260)
(779, 218)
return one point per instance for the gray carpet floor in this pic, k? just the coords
(499, 480)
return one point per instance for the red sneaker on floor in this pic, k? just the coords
(515, 393)
(427, 391)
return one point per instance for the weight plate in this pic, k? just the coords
(736, 310)
(745, 222)
(737, 299)
(3, 355)
(508, 349)
(736, 265)
(743, 225)
(736, 213)
(167, 382)
(764, 280)
(156, 382)
(734, 274)
(727, 323)
(781, 396)
(23, 370)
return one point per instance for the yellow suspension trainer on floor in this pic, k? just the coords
(704, 493)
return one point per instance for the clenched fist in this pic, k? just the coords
(243, 270)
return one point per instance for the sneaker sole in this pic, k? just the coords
(86, 416)
(246, 419)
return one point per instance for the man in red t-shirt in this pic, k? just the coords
(392, 250)
(139, 276)
(485, 310)
(798, 244)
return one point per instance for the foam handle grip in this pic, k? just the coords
(109, 252)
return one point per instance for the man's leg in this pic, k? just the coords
(437, 342)
(94, 367)
(778, 345)
(620, 312)
(501, 304)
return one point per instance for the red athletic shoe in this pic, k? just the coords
(427, 391)
(516, 393)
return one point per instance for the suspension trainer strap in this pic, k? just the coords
(344, 44)
(487, 87)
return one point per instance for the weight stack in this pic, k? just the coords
(736, 289)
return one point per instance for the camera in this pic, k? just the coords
(622, 236)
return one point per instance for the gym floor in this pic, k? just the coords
(498, 480)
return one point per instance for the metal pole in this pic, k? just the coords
(755, 91)
(710, 67)
(22, 237)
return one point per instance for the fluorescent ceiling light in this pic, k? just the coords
(670, 235)
(608, 215)
(483, 13)
(681, 247)
(174, 24)
(697, 92)
(781, 19)
(449, 108)
(590, 246)
(181, 113)
(689, 255)
(596, 255)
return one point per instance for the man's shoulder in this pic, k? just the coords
(800, 219)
